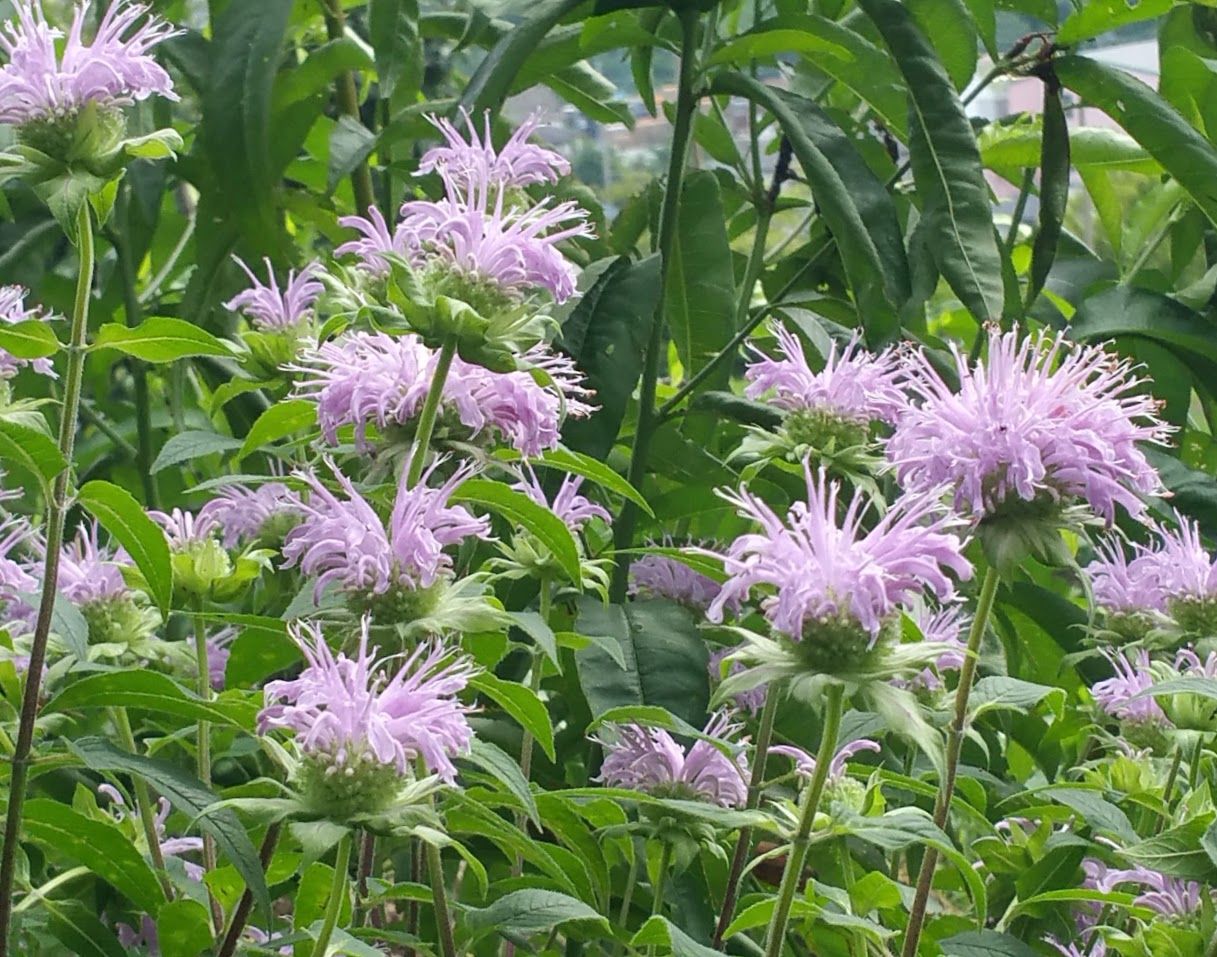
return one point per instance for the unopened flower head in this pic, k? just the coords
(854, 389)
(46, 80)
(1041, 423)
(463, 163)
(246, 514)
(386, 567)
(834, 585)
(274, 309)
(650, 760)
(200, 561)
(752, 700)
(362, 723)
(574, 509)
(658, 576)
(366, 379)
(838, 787)
(13, 309)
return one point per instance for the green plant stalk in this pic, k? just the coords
(143, 801)
(347, 98)
(245, 905)
(946, 790)
(38, 893)
(56, 512)
(528, 743)
(669, 216)
(203, 749)
(139, 374)
(338, 892)
(797, 857)
(430, 411)
(439, 896)
(743, 845)
(661, 879)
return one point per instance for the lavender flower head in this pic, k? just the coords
(1041, 421)
(90, 574)
(184, 528)
(658, 576)
(1126, 585)
(114, 69)
(574, 509)
(1142, 718)
(839, 584)
(751, 700)
(15, 580)
(343, 541)
(13, 310)
(805, 764)
(518, 163)
(272, 309)
(366, 379)
(854, 387)
(219, 650)
(247, 514)
(1166, 896)
(943, 626)
(361, 726)
(649, 760)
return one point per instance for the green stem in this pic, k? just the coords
(139, 375)
(203, 748)
(56, 512)
(1020, 207)
(338, 893)
(143, 800)
(439, 895)
(527, 743)
(661, 879)
(430, 411)
(743, 845)
(797, 856)
(627, 898)
(57, 881)
(669, 216)
(984, 606)
(347, 98)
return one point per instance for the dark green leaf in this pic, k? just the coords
(351, 143)
(1055, 869)
(186, 446)
(949, 27)
(986, 943)
(579, 464)
(661, 931)
(160, 340)
(506, 770)
(393, 29)
(528, 912)
(150, 691)
(522, 704)
(1098, 812)
(279, 421)
(183, 929)
(31, 450)
(124, 518)
(32, 339)
(79, 929)
(1177, 851)
(1100, 16)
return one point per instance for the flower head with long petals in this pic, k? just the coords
(15, 580)
(465, 162)
(805, 764)
(243, 513)
(271, 308)
(1118, 695)
(658, 576)
(650, 760)
(574, 509)
(89, 573)
(1041, 422)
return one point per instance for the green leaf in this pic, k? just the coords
(185, 446)
(495, 75)
(393, 29)
(98, 845)
(159, 340)
(699, 294)
(183, 929)
(1098, 812)
(316, 73)
(852, 201)
(1101, 16)
(949, 27)
(662, 932)
(150, 691)
(31, 450)
(577, 463)
(1055, 869)
(191, 797)
(522, 704)
(1151, 121)
(261, 649)
(517, 507)
(1054, 191)
(351, 143)
(665, 655)
(1127, 311)
(606, 334)
(985, 943)
(1011, 148)
(537, 628)
(279, 421)
(998, 692)
(946, 167)
(80, 930)
(1177, 851)
(124, 518)
(528, 912)
(506, 770)
(32, 339)
(69, 624)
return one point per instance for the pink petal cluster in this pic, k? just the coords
(574, 509)
(343, 540)
(1117, 695)
(272, 309)
(1121, 583)
(242, 512)
(89, 573)
(1167, 896)
(823, 569)
(219, 650)
(184, 528)
(943, 626)
(376, 379)
(854, 384)
(805, 764)
(15, 579)
(476, 229)
(13, 310)
(658, 576)
(1186, 569)
(1039, 419)
(649, 760)
(353, 710)
(115, 68)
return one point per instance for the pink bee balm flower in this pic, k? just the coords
(376, 379)
(245, 513)
(1167, 896)
(378, 244)
(1117, 695)
(574, 509)
(650, 760)
(1185, 567)
(853, 385)
(41, 82)
(825, 571)
(15, 580)
(184, 529)
(805, 764)
(13, 310)
(219, 650)
(273, 309)
(518, 163)
(658, 576)
(88, 573)
(345, 542)
(1124, 585)
(348, 713)
(1040, 420)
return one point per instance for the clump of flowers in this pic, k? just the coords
(1142, 720)
(264, 513)
(835, 587)
(839, 787)
(650, 760)
(91, 577)
(361, 726)
(1040, 425)
(366, 379)
(281, 316)
(12, 311)
(833, 408)
(202, 566)
(390, 570)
